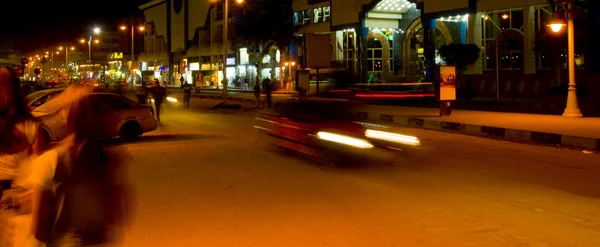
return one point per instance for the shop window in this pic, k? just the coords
(244, 57)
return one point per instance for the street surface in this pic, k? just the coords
(203, 179)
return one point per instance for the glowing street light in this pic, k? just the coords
(239, 1)
(572, 108)
(142, 28)
(96, 30)
(96, 41)
(123, 28)
(557, 23)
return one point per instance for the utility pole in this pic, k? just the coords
(132, 54)
(225, 37)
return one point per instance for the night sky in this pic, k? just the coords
(34, 23)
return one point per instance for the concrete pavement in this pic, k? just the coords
(203, 179)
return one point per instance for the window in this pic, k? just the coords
(244, 57)
(375, 54)
(496, 23)
(349, 50)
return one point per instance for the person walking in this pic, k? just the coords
(257, 93)
(21, 140)
(80, 187)
(268, 87)
(159, 93)
(187, 94)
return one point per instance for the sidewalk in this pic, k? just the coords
(535, 128)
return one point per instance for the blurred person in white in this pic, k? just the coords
(20, 142)
(81, 193)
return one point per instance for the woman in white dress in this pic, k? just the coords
(20, 142)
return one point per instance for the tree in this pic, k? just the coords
(263, 24)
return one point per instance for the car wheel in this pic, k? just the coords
(130, 131)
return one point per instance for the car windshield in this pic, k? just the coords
(49, 106)
(32, 96)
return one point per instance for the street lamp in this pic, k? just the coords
(572, 108)
(225, 28)
(141, 28)
(289, 66)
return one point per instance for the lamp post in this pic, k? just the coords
(141, 28)
(289, 66)
(66, 49)
(572, 108)
(89, 43)
(225, 37)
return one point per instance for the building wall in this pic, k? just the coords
(345, 12)
(198, 11)
(178, 32)
(157, 14)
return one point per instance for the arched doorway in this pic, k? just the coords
(413, 60)
(379, 50)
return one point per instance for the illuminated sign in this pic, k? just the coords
(319, 15)
(194, 66)
(116, 55)
(230, 61)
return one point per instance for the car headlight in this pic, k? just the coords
(342, 139)
(392, 137)
(171, 99)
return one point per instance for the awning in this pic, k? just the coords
(193, 51)
(146, 57)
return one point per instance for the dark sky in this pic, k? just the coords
(34, 23)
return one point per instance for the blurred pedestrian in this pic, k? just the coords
(187, 94)
(257, 93)
(159, 93)
(268, 87)
(20, 142)
(80, 188)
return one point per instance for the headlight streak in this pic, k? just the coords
(392, 137)
(346, 140)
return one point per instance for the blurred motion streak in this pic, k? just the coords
(344, 140)
(403, 95)
(392, 137)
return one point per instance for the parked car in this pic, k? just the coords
(328, 130)
(120, 117)
(36, 99)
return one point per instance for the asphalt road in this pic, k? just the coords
(203, 179)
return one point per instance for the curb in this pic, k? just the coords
(486, 131)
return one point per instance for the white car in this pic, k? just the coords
(36, 99)
(120, 116)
